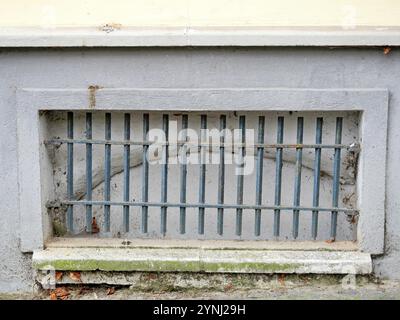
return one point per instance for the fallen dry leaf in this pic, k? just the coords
(110, 291)
(59, 275)
(330, 241)
(386, 50)
(76, 276)
(95, 227)
(281, 279)
(53, 296)
(59, 293)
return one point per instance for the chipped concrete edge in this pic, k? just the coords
(202, 260)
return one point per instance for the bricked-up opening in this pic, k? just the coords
(297, 180)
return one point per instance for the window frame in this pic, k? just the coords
(371, 103)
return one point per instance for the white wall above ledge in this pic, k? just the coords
(116, 36)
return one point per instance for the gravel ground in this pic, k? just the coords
(388, 290)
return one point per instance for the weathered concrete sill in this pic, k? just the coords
(201, 258)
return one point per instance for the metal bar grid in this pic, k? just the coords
(223, 145)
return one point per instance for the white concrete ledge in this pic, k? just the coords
(202, 260)
(95, 242)
(198, 36)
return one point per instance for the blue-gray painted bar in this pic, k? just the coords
(317, 174)
(164, 176)
(126, 165)
(202, 173)
(183, 175)
(259, 174)
(297, 181)
(336, 177)
(107, 171)
(239, 181)
(70, 171)
(228, 144)
(145, 174)
(278, 176)
(89, 172)
(221, 176)
(210, 205)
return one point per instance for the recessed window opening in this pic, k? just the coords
(213, 175)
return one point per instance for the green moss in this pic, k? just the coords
(104, 265)
(250, 267)
(157, 265)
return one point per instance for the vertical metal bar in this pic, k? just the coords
(164, 176)
(145, 174)
(126, 165)
(202, 175)
(70, 171)
(221, 176)
(259, 174)
(317, 170)
(239, 181)
(297, 181)
(183, 174)
(336, 176)
(278, 177)
(107, 172)
(89, 172)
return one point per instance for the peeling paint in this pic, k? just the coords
(92, 95)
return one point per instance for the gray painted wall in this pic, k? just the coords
(189, 68)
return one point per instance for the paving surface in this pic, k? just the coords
(364, 291)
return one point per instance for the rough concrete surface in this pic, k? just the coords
(202, 260)
(386, 290)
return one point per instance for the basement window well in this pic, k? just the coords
(270, 174)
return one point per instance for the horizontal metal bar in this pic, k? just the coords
(187, 143)
(207, 205)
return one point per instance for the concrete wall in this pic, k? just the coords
(188, 68)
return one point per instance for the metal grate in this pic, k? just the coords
(277, 208)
